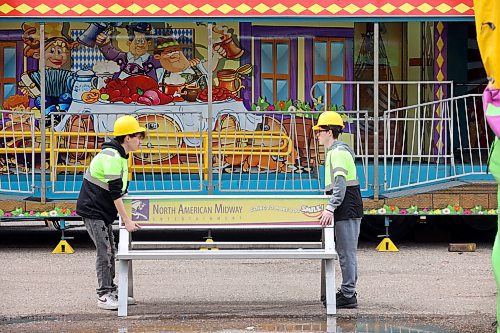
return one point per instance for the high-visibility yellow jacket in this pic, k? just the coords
(340, 163)
(105, 181)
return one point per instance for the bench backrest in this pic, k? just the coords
(218, 211)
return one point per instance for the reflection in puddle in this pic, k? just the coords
(331, 325)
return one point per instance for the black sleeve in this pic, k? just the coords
(115, 188)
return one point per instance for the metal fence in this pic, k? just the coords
(438, 141)
(19, 142)
(264, 151)
(169, 159)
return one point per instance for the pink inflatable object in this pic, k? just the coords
(491, 107)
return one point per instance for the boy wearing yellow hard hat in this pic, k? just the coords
(100, 200)
(345, 205)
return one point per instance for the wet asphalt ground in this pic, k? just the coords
(423, 286)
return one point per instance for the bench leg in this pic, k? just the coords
(323, 292)
(331, 324)
(130, 280)
(331, 306)
(123, 291)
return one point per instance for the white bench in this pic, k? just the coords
(225, 212)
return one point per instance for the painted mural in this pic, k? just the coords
(96, 71)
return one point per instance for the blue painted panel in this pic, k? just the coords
(337, 58)
(282, 58)
(267, 58)
(320, 60)
(267, 90)
(282, 90)
(9, 62)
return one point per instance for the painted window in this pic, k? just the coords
(329, 63)
(8, 70)
(275, 69)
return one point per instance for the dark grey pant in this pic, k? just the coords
(104, 241)
(346, 245)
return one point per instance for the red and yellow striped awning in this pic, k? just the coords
(234, 8)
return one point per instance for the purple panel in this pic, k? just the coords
(19, 62)
(440, 134)
(262, 31)
(308, 75)
(11, 35)
(246, 44)
(32, 64)
(293, 68)
(257, 67)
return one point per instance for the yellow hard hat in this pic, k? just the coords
(329, 118)
(127, 125)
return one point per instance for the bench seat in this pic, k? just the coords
(226, 254)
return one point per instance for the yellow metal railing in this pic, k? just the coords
(235, 143)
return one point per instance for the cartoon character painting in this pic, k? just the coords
(19, 126)
(59, 79)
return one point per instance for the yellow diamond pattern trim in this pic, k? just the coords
(279, 8)
(406, 7)
(152, 8)
(225, 8)
(440, 44)
(443, 8)
(242, 8)
(98, 9)
(462, 8)
(171, 8)
(440, 61)
(297, 8)
(316, 8)
(207, 9)
(79, 9)
(5, 8)
(189, 9)
(440, 27)
(24, 8)
(334, 9)
(116, 8)
(134, 8)
(370, 8)
(351, 9)
(61, 9)
(440, 76)
(388, 8)
(425, 7)
(43, 8)
(261, 8)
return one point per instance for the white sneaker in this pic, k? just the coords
(130, 300)
(107, 302)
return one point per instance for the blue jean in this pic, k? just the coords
(346, 245)
(103, 238)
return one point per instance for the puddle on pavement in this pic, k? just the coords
(332, 325)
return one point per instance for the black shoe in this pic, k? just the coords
(337, 295)
(347, 303)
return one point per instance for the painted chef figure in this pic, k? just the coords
(174, 69)
(137, 61)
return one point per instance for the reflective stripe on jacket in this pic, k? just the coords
(340, 162)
